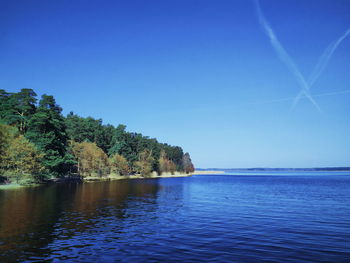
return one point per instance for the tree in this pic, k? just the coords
(4, 143)
(187, 164)
(90, 159)
(175, 154)
(131, 144)
(118, 164)
(19, 158)
(47, 131)
(105, 139)
(126, 144)
(5, 106)
(17, 108)
(119, 140)
(45, 127)
(166, 165)
(144, 165)
(88, 129)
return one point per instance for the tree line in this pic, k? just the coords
(37, 142)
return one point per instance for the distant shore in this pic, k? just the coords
(247, 170)
(208, 172)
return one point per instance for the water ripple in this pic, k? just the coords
(197, 219)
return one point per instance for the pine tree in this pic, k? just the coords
(17, 108)
(47, 131)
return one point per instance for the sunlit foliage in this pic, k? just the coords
(91, 160)
(166, 165)
(144, 164)
(119, 165)
(20, 160)
(34, 140)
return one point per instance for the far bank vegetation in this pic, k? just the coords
(38, 143)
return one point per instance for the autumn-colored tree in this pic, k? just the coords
(175, 154)
(49, 131)
(144, 164)
(187, 164)
(171, 167)
(165, 164)
(162, 162)
(20, 159)
(118, 164)
(90, 159)
(23, 158)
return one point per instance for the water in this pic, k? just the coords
(209, 218)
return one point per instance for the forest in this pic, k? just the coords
(38, 143)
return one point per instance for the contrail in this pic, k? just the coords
(324, 59)
(322, 63)
(284, 56)
(241, 105)
(263, 102)
(291, 98)
(332, 93)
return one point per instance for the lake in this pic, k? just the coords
(251, 217)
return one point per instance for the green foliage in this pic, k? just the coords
(38, 140)
(130, 145)
(17, 108)
(5, 106)
(118, 141)
(90, 130)
(174, 153)
(47, 131)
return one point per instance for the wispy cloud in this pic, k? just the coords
(284, 56)
(244, 105)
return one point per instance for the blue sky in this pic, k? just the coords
(199, 74)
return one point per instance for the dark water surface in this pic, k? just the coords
(208, 218)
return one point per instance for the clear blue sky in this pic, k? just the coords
(199, 74)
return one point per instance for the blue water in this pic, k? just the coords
(263, 217)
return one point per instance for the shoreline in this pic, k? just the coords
(90, 179)
(136, 176)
